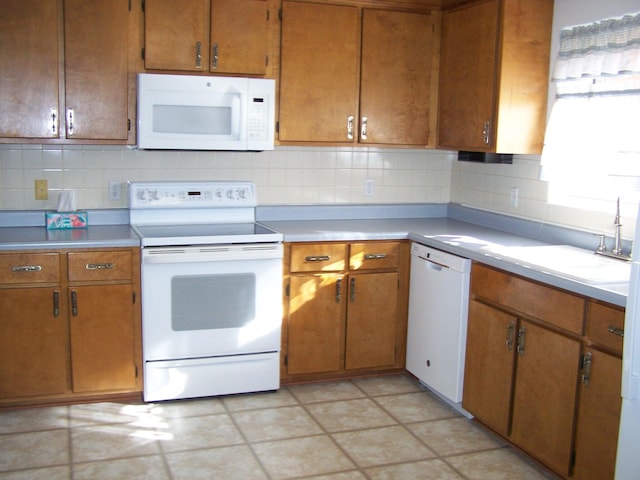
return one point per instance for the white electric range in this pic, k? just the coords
(211, 289)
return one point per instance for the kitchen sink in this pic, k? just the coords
(566, 261)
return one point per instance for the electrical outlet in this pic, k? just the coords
(368, 187)
(114, 190)
(514, 196)
(42, 190)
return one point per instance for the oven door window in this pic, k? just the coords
(210, 302)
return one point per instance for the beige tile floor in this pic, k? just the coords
(375, 428)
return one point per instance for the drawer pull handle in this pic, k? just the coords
(616, 331)
(375, 256)
(317, 258)
(26, 268)
(100, 266)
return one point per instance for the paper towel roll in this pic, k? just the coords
(67, 201)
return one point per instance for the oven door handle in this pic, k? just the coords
(211, 253)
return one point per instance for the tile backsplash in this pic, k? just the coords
(287, 175)
(296, 175)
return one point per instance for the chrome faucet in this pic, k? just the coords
(617, 242)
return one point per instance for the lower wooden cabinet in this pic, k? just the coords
(70, 325)
(345, 308)
(544, 394)
(33, 354)
(545, 378)
(599, 394)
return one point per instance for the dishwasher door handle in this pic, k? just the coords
(433, 265)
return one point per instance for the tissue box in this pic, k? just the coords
(64, 220)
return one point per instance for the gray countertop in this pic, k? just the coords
(454, 236)
(23, 238)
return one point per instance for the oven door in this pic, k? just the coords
(206, 301)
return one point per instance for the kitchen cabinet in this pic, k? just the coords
(599, 394)
(33, 330)
(522, 363)
(78, 47)
(70, 325)
(346, 308)
(336, 65)
(494, 70)
(217, 36)
(102, 321)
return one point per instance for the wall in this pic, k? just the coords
(300, 175)
(488, 186)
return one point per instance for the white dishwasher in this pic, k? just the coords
(437, 331)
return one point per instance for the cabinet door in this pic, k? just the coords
(489, 365)
(29, 64)
(467, 76)
(545, 395)
(397, 52)
(239, 36)
(33, 345)
(102, 338)
(598, 418)
(176, 35)
(371, 320)
(96, 69)
(320, 48)
(316, 323)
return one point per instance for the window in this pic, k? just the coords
(591, 154)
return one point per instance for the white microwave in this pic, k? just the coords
(189, 112)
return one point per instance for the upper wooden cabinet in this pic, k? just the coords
(219, 36)
(356, 75)
(94, 72)
(494, 76)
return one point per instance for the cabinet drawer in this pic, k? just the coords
(364, 256)
(29, 268)
(99, 266)
(605, 325)
(546, 303)
(314, 257)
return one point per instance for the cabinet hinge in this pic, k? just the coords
(286, 360)
(573, 459)
(129, 5)
(280, 14)
(142, 53)
(133, 298)
(128, 124)
(266, 60)
(277, 127)
(135, 368)
(142, 5)
(287, 290)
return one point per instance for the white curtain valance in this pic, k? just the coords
(608, 47)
